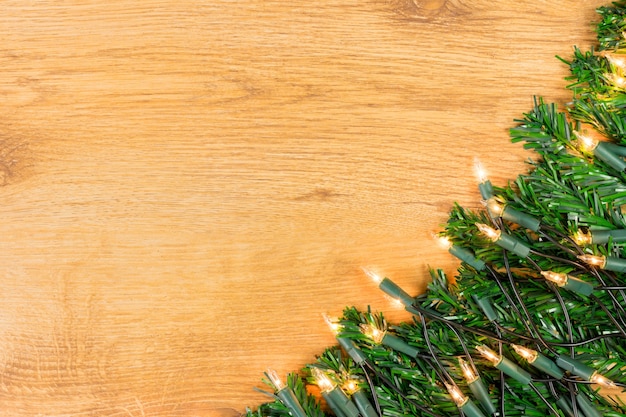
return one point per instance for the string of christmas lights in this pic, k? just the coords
(534, 323)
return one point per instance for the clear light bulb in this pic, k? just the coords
(373, 275)
(526, 353)
(322, 380)
(489, 354)
(481, 174)
(593, 260)
(494, 207)
(456, 394)
(585, 142)
(397, 303)
(616, 61)
(333, 323)
(443, 241)
(599, 379)
(559, 279)
(275, 380)
(581, 238)
(351, 386)
(373, 333)
(617, 80)
(489, 232)
(468, 372)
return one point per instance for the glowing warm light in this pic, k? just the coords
(456, 394)
(616, 61)
(351, 386)
(373, 332)
(333, 323)
(275, 380)
(581, 238)
(494, 207)
(585, 142)
(443, 241)
(468, 372)
(593, 260)
(373, 275)
(481, 174)
(397, 303)
(599, 379)
(489, 232)
(617, 80)
(322, 380)
(489, 354)
(559, 279)
(528, 354)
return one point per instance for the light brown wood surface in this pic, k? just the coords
(187, 185)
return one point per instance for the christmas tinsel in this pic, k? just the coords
(534, 322)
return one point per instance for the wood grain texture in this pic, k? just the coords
(187, 185)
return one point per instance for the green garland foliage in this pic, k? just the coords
(502, 297)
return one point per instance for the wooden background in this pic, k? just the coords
(188, 185)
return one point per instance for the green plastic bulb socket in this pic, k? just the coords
(363, 404)
(575, 367)
(467, 257)
(393, 290)
(340, 403)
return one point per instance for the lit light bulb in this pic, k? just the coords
(460, 253)
(484, 185)
(336, 399)
(443, 241)
(333, 323)
(584, 371)
(609, 263)
(581, 238)
(599, 379)
(568, 282)
(537, 360)
(604, 150)
(468, 372)
(456, 394)
(505, 241)
(505, 365)
(351, 386)
(481, 174)
(494, 207)
(559, 279)
(467, 406)
(489, 232)
(585, 142)
(397, 303)
(373, 332)
(489, 354)
(286, 395)
(599, 237)
(373, 275)
(616, 61)
(275, 380)
(593, 260)
(389, 340)
(617, 80)
(322, 380)
(478, 388)
(528, 354)
(498, 208)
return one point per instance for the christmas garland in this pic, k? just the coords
(534, 323)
